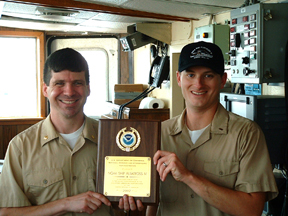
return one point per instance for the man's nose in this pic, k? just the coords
(69, 89)
(198, 81)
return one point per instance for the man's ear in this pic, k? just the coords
(178, 74)
(88, 88)
(223, 80)
(44, 89)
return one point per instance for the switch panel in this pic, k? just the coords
(257, 44)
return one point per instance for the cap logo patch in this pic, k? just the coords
(201, 53)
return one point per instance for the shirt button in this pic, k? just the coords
(45, 181)
(74, 177)
(192, 195)
(220, 173)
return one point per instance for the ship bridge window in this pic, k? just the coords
(20, 72)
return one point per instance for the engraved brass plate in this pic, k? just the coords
(127, 175)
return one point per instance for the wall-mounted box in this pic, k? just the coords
(214, 33)
(258, 38)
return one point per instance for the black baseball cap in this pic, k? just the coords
(202, 54)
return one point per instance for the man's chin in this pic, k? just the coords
(70, 114)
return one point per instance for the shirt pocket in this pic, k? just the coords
(223, 173)
(45, 186)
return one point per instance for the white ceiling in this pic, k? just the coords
(27, 16)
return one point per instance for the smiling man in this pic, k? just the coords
(212, 162)
(50, 168)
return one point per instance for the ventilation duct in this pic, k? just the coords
(44, 11)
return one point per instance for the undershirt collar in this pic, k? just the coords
(195, 134)
(72, 138)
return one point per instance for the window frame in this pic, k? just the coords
(40, 53)
(104, 51)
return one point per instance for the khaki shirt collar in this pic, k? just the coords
(48, 132)
(179, 124)
(90, 130)
(219, 123)
(179, 128)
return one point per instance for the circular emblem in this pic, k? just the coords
(128, 140)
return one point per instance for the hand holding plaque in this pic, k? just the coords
(125, 152)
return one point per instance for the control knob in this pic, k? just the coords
(237, 40)
(245, 60)
(247, 71)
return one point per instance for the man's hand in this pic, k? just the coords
(86, 202)
(82, 203)
(169, 162)
(128, 203)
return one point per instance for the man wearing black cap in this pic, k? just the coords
(212, 161)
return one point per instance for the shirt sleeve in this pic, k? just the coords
(11, 179)
(256, 172)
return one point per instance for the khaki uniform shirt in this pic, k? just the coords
(40, 167)
(231, 153)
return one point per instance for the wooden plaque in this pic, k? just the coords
(125, 159)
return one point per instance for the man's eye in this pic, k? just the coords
(209, 76)
(190, 75)
(78, 83)
(59, 83)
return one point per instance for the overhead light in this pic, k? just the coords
(56, 12)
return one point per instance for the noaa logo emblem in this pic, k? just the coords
(128, 140)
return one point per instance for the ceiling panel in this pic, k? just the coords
(110, 23)
(173, 8)
(124, 19)
(220, 3)
(186, 8)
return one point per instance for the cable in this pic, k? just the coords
(143, 94)
(125, 104)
